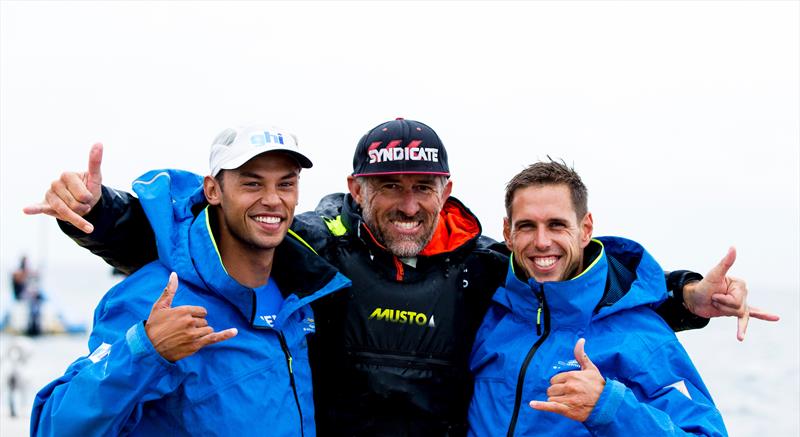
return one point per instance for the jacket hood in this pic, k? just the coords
(175, 205)
(573, 303)
(167, 197)
(457, 226)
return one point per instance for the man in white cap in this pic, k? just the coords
(157, 367)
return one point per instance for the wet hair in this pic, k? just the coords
(550, 173)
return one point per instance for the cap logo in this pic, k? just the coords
(265, 137)
(411, 152)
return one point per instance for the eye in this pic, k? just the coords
(557, 225)
(424, 189)
(524, 226)
(287, 184)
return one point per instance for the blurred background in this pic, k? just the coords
(683, 118)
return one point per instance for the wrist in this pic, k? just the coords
(682, 284)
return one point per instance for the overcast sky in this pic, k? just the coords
(682, 117)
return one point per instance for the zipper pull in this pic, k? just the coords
(291, 369)
(539, 319)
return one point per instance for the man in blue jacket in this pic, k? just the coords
(160, 368)
(565, 294)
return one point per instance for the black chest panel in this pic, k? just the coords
(392, 351)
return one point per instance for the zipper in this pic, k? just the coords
(521, 378)
(288, 355)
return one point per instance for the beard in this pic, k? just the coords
(400, 245)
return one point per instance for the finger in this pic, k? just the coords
(721, 269)
(39, 208)
(741, 328)
(195, 311)
(75, 185)
(165, 300)
(216, 337)
(729, 303)
(553, 407)
(199, 322)
(556, 390)
(63, 212)
(93, 176)
(581, 357)
(758, 313)
(68, 191)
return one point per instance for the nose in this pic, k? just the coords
(269, 197)
(408, 204)
(542, 238)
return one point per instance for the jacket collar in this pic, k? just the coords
(300, 274)
(571, 303)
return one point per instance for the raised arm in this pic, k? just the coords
(110, 223)
(697, 298)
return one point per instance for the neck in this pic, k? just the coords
(249, 268)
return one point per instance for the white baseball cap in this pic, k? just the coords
(235, 146)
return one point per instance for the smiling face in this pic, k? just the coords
(401, 211)
(545, 234)
(256, 203)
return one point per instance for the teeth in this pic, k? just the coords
(545, 261)
(270, 220)
(406, 225)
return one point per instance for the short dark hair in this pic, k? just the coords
(219, 177)
(550, 173)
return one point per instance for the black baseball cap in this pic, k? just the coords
(400, 147)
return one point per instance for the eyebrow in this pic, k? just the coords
(249, 174)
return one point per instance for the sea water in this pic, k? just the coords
(755, 383)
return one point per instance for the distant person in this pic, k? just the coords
(15, 359)
(157, 366)
(566, 293)
(391, 354)
(26, 290)
(20, 277)
(35, 299)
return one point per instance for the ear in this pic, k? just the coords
(587, 226)
(355, 189)
(212, 190)
(507, 232)
(448, 188)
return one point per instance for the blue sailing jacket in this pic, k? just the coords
(256, 383)
(529, 334)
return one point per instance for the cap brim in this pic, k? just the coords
(434, 173)
(241, 160)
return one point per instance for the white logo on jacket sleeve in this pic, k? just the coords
(101, 352)
(681, 387)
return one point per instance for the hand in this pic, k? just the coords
(574, 394)
(181, 331)
(720, 295)
(74, 194)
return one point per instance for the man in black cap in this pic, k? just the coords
(390, 355)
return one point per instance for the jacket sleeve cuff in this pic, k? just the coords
(677, 316)
(141, 347)
(605, 410)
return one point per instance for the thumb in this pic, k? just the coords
(581, 357)
(165, 300)
(720, 270)
(94, 177)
